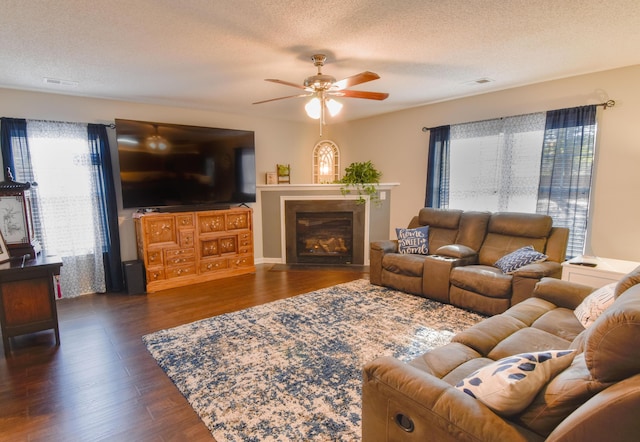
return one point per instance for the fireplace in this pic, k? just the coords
(324, 231)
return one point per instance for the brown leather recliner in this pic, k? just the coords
(463, 246)
(484, 288)
(596, 398)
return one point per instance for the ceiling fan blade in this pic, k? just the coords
(286, 83)
(360, 78)
(282, 98)
(360, 94)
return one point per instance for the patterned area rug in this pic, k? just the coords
(291, 370)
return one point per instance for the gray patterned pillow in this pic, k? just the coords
(510, 384)
(519, 258)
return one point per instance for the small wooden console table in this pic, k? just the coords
(27, 297)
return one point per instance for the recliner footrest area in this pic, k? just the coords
(402, 264)
(489, 281)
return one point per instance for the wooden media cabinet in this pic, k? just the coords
(184, 248)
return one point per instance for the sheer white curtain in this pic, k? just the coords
(69, 220)
(495, 164)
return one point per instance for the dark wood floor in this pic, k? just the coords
(102, 384)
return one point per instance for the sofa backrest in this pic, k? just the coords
(443, 226)
(612, 343)
(608, 353)
(509, 231)
(473, 229)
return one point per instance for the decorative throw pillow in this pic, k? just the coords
(413, 241)
(519, 258)
(510, 384)
(593, 305)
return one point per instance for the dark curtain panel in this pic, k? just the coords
(99, 145)
(437, 194)
(13, 135)
(565, 171)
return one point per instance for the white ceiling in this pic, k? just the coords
(215, 54)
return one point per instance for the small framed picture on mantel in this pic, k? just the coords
(272, 178)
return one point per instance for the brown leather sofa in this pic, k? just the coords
(463, 246)
(596, 398)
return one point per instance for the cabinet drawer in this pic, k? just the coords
(186, 238)
(228, 244)
(174, 272)
(241, 261)
(155, 274)
(154, 258)
(210, 223)
(185, 220)
(179, 256)
(160, 229)
(213, 265)
(245, 243)
(180, 259)
(237, 221)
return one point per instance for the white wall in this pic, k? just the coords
(396, 144)
(276, 141)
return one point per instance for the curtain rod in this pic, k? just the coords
(607, 104)
(110, 125)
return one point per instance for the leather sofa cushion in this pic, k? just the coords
(485, 335)
(526, 340)
(473, 228)
(489, 281)
(464, 370)
(445, 218)
(560, 322)
(531, 225)
(495, 246)
(403, 264)
(560, 397)
(442, 360)
(443, 225)
(530, 310)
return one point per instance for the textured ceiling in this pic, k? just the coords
(215, 54)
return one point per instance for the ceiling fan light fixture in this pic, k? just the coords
(314, 108)
(334, 107)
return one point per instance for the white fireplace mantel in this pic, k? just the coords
(314, 187)
(270, 197)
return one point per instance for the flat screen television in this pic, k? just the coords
(173, 166)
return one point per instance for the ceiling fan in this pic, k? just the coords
(323, 87)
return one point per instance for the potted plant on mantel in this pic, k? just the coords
(364, 177)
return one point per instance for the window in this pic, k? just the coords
(537, 163)
(495, 164)
(72, 217)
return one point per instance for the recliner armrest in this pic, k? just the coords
(540, 270)
(561, 293)
(456, 251)
(395, 393)
(385, 246)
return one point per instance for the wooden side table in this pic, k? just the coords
(27, 297)
(602, 272)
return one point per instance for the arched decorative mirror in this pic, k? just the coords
(326, 162)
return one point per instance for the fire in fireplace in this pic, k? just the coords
(324, 237)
